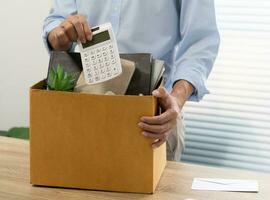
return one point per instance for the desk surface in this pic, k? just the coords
(175, 182)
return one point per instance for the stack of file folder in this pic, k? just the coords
(146, 77)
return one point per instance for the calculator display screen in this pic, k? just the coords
(98, 38)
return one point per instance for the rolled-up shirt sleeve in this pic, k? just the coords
(199, 44)
(59, 11)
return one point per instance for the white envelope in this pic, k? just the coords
(217, 184)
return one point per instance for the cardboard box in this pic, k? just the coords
(92, 142)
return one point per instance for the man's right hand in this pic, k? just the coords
(72, 29)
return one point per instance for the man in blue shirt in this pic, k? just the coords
(183, 33)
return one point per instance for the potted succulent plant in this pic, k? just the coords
(61, 80)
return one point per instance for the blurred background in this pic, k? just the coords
(229, 128)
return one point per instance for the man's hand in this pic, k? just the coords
(72, 29)
(160, 127)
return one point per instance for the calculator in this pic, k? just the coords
(100, 56)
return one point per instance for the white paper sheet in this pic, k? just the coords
(235, 185)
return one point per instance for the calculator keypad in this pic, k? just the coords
(100, 64)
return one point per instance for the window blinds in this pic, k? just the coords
(231, 126)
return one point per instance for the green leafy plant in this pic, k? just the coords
(19, 132)
(16, 132)
(61, 80)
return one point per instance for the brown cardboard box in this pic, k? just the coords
(92, 142)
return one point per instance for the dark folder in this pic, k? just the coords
(141, 80)
(148, 73)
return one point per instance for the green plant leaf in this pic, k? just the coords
(60, 72)
(3, 133)
(22, 133)
(52, 78)
(61, 80)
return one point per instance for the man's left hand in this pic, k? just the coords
(160, 127)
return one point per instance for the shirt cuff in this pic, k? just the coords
(195, 78)
(46, 30)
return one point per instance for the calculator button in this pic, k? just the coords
(94, 62)
(102, 71)
(99, 55)
(95, 67)
(90, 80)
(113, 61)
(107, 63)
(106, 58)
(114, 70)
(85, 54)
(92, 52)
(93, 57)
(98, 50)
(101, 65)
(86, 59)
(90, 75)
(110, 46)
(112, 56)
(97, 78)
(103, 76)
(109, 74)
(96, 72)
(100, 60)
(104, 48)
(105, 53)
(111, 51)
(108, 69)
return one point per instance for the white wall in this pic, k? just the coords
(23, 58)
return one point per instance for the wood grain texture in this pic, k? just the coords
(175, 182)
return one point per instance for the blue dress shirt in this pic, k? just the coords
(183, 33)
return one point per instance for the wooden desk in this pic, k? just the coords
(175, 182)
